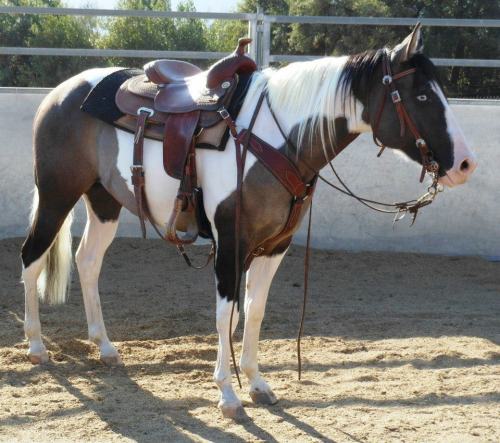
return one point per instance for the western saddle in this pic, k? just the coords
(178, 103)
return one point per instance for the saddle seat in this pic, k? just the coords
(170, 71)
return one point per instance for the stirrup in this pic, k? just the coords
(192, 232)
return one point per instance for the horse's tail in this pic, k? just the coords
(55, 278)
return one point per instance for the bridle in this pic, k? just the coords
(429, 164)
(388, 80)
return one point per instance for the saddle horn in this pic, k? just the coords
(238, 62)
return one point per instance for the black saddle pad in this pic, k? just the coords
(100, 101)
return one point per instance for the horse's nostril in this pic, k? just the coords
(464, 166)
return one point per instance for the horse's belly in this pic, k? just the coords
(161, 189)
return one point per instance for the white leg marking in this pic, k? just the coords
(259, 278)
(95, 241)
(229, 403)
(37, 352)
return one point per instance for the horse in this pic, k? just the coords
(311, 106)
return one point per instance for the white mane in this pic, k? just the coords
(307, 92)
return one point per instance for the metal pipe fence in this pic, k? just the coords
(259, 28)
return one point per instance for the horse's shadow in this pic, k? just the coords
(148, 418)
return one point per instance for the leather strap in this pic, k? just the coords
(177, 140)
(285, 171)
(388, 79)
(137, 168)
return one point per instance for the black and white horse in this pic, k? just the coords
(315, 102)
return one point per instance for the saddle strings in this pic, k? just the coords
(306, 287)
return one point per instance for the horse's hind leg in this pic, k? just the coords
(259, 278)
(46, 249)
(100, 230)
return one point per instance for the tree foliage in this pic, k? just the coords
(43, 31)
(152, 33)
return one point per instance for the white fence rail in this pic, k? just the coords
(259, 28)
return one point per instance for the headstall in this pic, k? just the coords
(388, 80)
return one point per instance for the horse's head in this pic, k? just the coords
(429, 115)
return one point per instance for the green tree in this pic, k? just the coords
(151, 33)
(223, 35)
(43, 31)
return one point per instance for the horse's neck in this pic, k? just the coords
(322, 145)
(317, 146)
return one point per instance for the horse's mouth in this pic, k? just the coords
(447, 181)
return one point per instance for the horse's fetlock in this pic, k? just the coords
(95, 334)
(250, 369)
(31, 328)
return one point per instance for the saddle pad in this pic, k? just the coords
(100, 101)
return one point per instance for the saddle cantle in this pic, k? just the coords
(178, 103)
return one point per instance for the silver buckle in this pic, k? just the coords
(386, 80)
(142, 109)
(420, 142)
(223, 113)
(396, 98)
(134, 168)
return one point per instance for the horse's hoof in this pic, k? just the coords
(236, 413)
(38, 359)
(263, 398)
(112, 360)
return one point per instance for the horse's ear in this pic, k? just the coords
(412, 44)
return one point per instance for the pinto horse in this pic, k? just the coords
(314, 104)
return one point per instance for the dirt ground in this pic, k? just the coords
(398, 347)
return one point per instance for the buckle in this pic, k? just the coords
(258, 251)
(223, 113)
(420, 142)
(149, 111)
(396, 98)
(136, 168)
(386, 80)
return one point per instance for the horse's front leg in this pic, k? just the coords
(226, 275)
(229, 403)
(259, 278)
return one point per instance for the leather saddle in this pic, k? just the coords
(178, 103)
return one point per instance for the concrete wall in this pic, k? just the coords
(465, 220)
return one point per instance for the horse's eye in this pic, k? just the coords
(422, 98)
